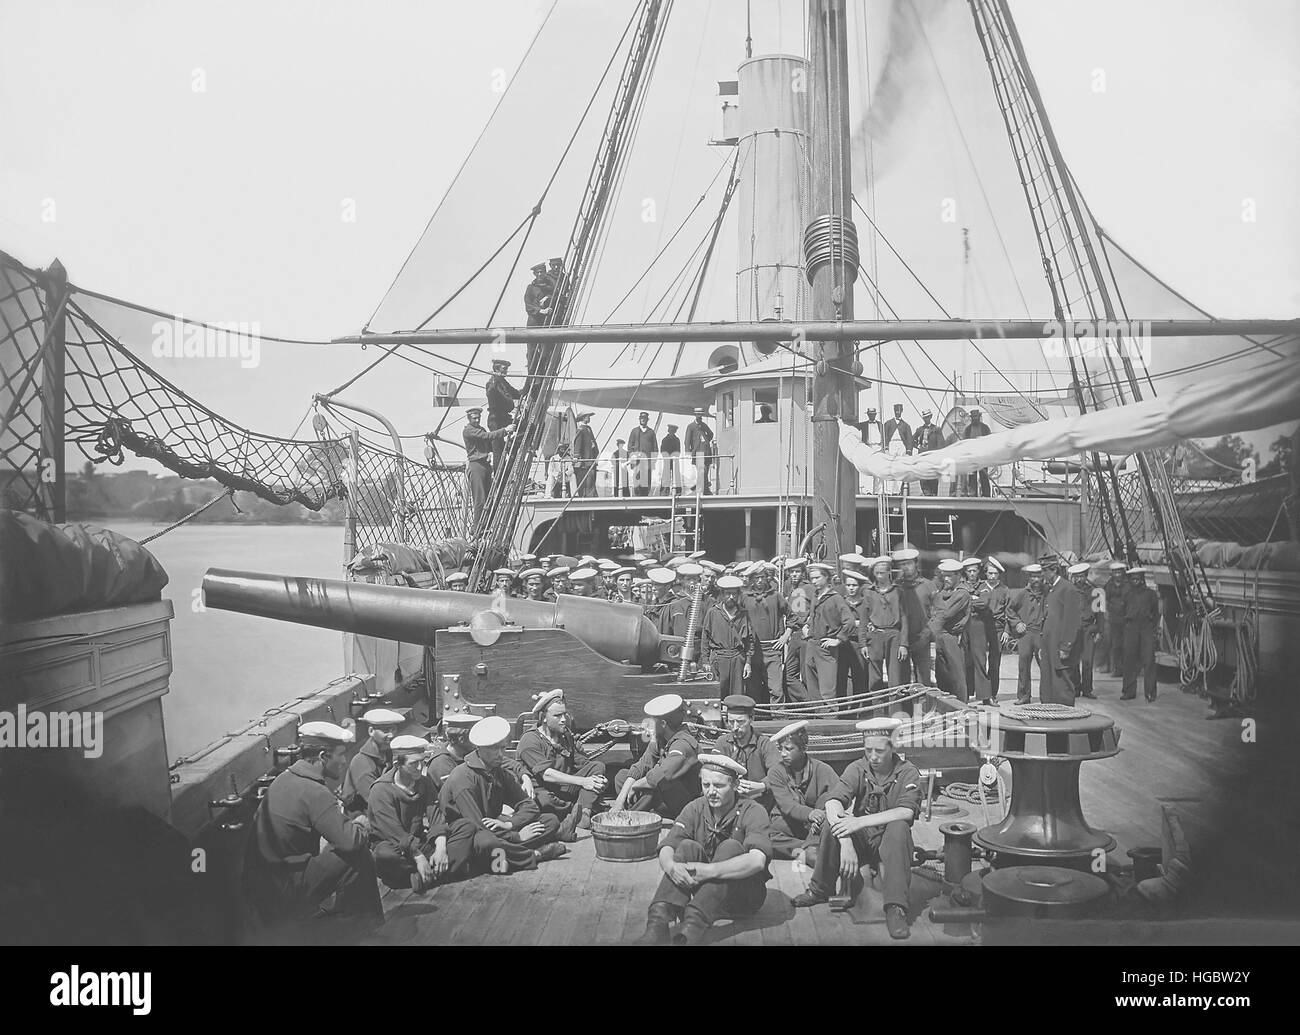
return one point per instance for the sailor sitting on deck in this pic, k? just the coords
(800, 787)
(882, 795)
(287, 876)
(371, 759)
(715, 859)
(754, 750)
(569, 781)
(662, 780)
(408, 837)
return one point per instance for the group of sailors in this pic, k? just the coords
(792, 629)
(417, 812)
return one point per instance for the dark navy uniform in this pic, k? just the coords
(1027, 608)
(405, 822)
(286, 875)
(830, 617)
(476, 792)
(948, 620)
(767, 617)
(757, 754)
(1141, 619)
(501, 399)
(671, 771)
(794, 797)
(1116, 595)
(883, 630)
(916, 596)
(1062, 634)
(367, 765)
(727, 641)
(540, 750)
(981, 641)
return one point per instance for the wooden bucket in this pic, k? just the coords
(626, 836)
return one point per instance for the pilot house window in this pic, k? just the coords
(764, 405)
(727, 414)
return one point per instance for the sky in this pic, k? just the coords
(277, 161)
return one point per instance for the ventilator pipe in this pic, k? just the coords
(956, 850)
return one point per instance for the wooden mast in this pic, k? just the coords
(835, 480)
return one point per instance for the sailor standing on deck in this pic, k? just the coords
(670, 474)
(569, 781)
(949, 616)
(800, 786)
(1026, 610)
(884, 633)
(1141, 620)
(287, 876)
(1117, 590)
(869, 816)
(714, 859)
(767, 617)
(1080, 667)
(852, 674)
(699, 444)
(915, 594)
(642, 445)
(928, 438)
(663, 779)
(479, 444)
(501, 399)
(1061, 629)
(977, 482)
(999, 594)
(830, 624)
(981, 631)
(728, 641)
(754, 750)
(371, 759)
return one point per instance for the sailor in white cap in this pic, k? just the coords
(883, 634)
(916, 595)
(503, 581)
(869, 816)
(727, 639)
(829, 624)
(534, 583)
(714, 859)
(582, 582)
(672, 605)
(1091, 620)
(949, 616)
(754, 750)
(623, 585)
(1141, 622)
(287, 877)
(926, 439)
(1062, 628)
(559, 580)
(408, 836)
(1117, 586)
(768, 617)
(792, 583)
(663, 779)
(569, 781)
(999, 595)
(480, 443)
(981, 630)
(800, 786)
(371, 759)
(457, 581)
(480, 788)
(851, 676)
(1026, 611)
(456, 748)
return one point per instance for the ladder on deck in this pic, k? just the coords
(684, 524)
(941, 531)
(891, 513)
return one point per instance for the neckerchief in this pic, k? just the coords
(715, 834)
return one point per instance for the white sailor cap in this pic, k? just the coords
(673, 562)
(558, 572)
(907, 554)
(324, 733)
(852, 558)
(1117, 566)
(647, 562)
(795, 563)
(994, 563)
(723, 764)
(505, 571)
(490, 731)
(854, 574)
(528, 573)
(461, 721)
(972, 562)
(457, 576)
(821, 566)
(1137, 571)
(618, 573)
(1032, 569)
(527, 558)
(582, 574)
(661, 576)
(587, 558)
(949, 564)
(882, 559)
(879, 726)
(1078, 569)
(383, 717)
(545, 698)
(785, 731)
(607, 565)
(713, 566)
(408, 742)
(730, 582)
(638, 557)
(664, 704)
(689, 568)
(696, 555)
(743, 569)
(639, 581)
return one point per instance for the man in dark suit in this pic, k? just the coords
(1062, 629)
(977, 482)
(699, 443)
(585, 453)
(642, 439)
(927, 438)
(670, 474)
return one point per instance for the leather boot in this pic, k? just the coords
(896, 922)
(656, 926)
(694, 928)
(568, 827)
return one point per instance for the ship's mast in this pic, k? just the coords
(830, 246)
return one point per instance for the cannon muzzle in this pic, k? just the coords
(619, 632)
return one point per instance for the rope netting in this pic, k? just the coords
(114, 403)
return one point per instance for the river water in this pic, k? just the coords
(229, 668)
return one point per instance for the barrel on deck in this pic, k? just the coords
(632, 837)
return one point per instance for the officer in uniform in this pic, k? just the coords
(999, 594)
(371, 759)
(481, 787)
(501, 399)
(869, 817)
(754, 750)
(915, 594)
(1026, 611)
(663, 779)
(981, 632)
(569, 781)
(479, 445)
(800, 786)
(830, 624)
(1080, 668)
(287, 876)
(585, 452)
(884, 633)
(642, 439)
(1116, 592)
(768, 616)
(948, 620)
(852, 674)
(727, 639)
(699, 444)
(1141, 619)
(714, 859)
(897, 441)
(928, 438)
(1061, 631)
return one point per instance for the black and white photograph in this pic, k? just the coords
(652, 473)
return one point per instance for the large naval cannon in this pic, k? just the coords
(487, 649)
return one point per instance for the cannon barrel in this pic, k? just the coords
(619, 632)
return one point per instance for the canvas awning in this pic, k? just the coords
(682, 393)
